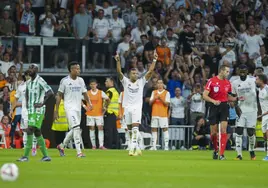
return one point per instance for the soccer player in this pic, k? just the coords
(261, 81)
(216, 93)
(37, 94)
(20, 94)
(95, 116)
(133, 99)
(160, 100)
(245, 90)
(72, 88)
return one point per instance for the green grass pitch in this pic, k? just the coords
(115, 169)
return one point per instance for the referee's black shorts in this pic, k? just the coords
(217, 114)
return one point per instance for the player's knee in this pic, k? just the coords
(30, 131)
(154, 129)
(250, 131)
(92, 128)
(37, 132)
(239, 130)
(164, 129)
(100, 127)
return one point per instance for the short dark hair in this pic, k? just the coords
(263, 78)
(93, 80)
(223, 67)
(71, 64)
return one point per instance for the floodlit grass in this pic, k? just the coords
(115, 169)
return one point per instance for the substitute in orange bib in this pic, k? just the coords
(160, 100)
(95, 116)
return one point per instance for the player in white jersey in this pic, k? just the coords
(245, 90)
(72, 89)
(20, 94)
(261, 81)
(133, 99)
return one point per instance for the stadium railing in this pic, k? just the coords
(52, 54)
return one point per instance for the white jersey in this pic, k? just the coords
(20, 95)
(72, 92)
(246, 89)
(263, 96)
(133, 93)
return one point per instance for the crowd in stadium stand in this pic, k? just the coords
(191, 37)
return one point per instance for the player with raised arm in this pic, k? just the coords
(216, 93)
(95, 116)
(261, 81)
(245, 90)
(37, 94)
(20, 94)
(160, 100)
(72, 88)
(133, 99)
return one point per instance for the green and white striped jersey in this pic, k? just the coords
(35, 91)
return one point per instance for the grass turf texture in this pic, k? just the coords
(109, 169)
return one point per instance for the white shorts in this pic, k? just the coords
(264, 124)
(247, 120)
(94, 120)
(159, 122)
(132, 115)
(73, 118)
(24, 123)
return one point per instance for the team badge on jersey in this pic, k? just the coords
(216, 89)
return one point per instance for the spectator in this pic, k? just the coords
(1, 108)
(252, 43)
(107, 8)
(63, 28)
(122, 48)
(149, 48)
(117, 26)
(197, 103)
(82, 23)
(47, 22)
(6, 100)
(172, 42)
(186, 39)
(141, 69)
(38, 9)
(177, 108)
(163, 52)
(5, 64)
(140, 49)
(200, 134)
(5, 126)
(7, 29)
(102, 33)
(141, 29)
(3, 82)
(173, 79)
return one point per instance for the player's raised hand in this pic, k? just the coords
(117, 58)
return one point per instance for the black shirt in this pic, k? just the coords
(147, 47)
(212, 63)
(187, 40)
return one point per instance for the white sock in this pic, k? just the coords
(251, 142)
(34, 142)
(67, 139)
(77, 140)
(92, 137)
(238, 144)
(127, 137)
(129, 133)
(154, 135)
(166, 138)
(101, 138)
(134, 138)
(140, 141)
(24, 139)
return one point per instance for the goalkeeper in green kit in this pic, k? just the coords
(37, 94)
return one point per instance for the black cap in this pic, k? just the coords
(243, 67)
